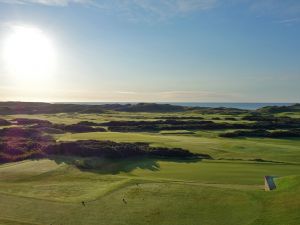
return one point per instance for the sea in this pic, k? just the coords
(238, 105)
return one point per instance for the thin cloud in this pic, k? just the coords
(154, 6)
(277, 8)
(155, 10)
(47, 2)
(179, 96)
(289, 21)
(285, 12)
(197, 95)
(135, 10)
(162, 10)
(127, 92)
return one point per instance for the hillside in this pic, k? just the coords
(9, 108)
(280, 109)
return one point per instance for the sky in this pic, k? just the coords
(150, 50)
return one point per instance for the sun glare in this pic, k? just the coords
(29, 54)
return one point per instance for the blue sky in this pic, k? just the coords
(168, 50)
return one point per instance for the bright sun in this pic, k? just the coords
(28, 54)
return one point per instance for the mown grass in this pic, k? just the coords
(166, 196)
(281, 150)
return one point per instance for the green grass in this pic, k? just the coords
(226, 190)
(281, 150)
(166, 196)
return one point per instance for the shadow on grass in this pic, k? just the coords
(116, 166)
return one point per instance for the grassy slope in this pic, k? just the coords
(206, 192)
(268, 149)
(54, 197)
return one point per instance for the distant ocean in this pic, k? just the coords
(250, 106)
